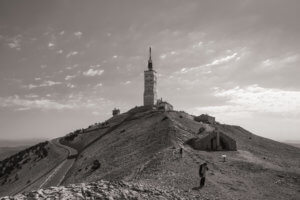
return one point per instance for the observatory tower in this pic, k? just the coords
(150, 77)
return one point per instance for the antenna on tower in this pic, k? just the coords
(150, 60)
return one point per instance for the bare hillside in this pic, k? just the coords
(141, 147)
(23, 170)
(144, 148)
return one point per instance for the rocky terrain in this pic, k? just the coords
(99, 190)
(135, 155)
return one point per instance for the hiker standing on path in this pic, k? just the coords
(202, 173)
(181, 152)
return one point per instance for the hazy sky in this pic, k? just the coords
(65, 64)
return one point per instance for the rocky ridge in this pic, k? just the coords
(98, 190)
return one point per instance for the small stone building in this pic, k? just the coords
(163, 105)
(115, 112)
(205, 118)
(213, 141)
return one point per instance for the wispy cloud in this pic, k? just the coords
(255, 99)
(72, 53)
(69, 77)
(215, 62)
(126, 82)
(49, 83)
(98, 85)
(44, 84)
(26, 104)
(95, 66)
(78, 34)
(222, 60)
(43, 66)
(72, 102)
(273, 64)
(72, 67)
(70, 85)
(163, 56)
(51, 45)
(15, 42)
(59, 51)
(93, 72)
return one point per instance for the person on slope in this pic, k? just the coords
(202, 173)
(181, 152)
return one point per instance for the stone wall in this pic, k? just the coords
(213, 141)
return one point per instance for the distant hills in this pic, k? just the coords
(295, 143)
(10, 147)
(20, 142)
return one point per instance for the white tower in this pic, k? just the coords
(150, 77)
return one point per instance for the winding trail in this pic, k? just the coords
(56, 176)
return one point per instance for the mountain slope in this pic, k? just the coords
(145, 149)
(24, 170)
(141, 147)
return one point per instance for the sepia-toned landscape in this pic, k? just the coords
(149, 100)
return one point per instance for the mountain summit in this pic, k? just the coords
(142, 148)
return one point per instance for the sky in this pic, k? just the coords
(65, 64)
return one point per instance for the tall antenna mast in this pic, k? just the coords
(150, 60)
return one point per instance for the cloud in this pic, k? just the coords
(96, 113)
(99, 85)
(72, 102)
(60, 51)
(50, 44)
(72, 67)
(115, 56)
(255, 99)
(163, 56)
(199, 44)
(69, 77)
(95, 66)
(31, 96)
(291, 59)
(49, 83)
(93, 72)
(15, 42)
(126, 82)
(78, 34)
(273, 64)
(222, 60)
(26, 104)
(206, 68)
(44, 84)
(62, 33)
(43, 66)
(72, 53)
(69, 85)
(31, 86)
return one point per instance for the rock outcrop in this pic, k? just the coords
(98, 190)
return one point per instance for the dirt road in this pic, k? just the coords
(56, 176)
